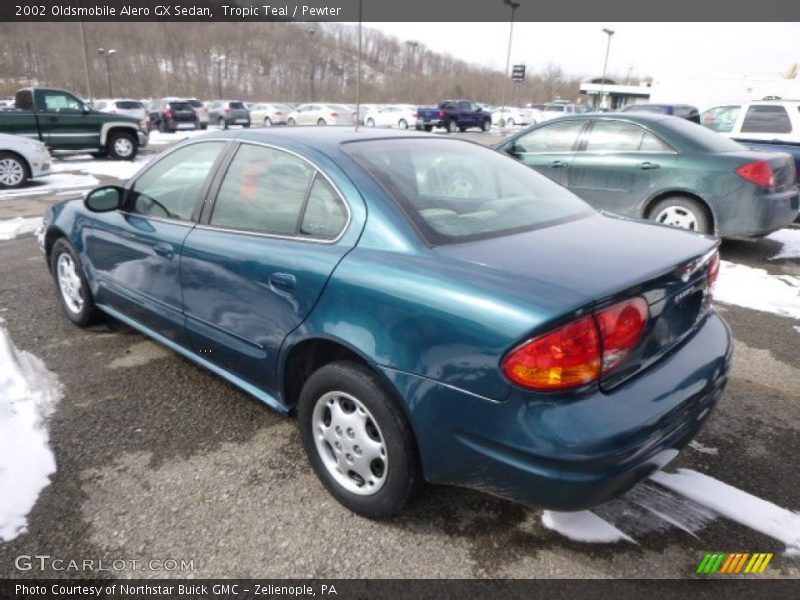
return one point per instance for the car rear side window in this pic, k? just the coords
(614, 136)
(766, 118)
(325, 215)
(170, 188)
(456, 191)
(264, 190)
(558, 137)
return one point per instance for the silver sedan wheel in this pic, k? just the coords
(350, 443)
(11, 172)
(123, 146)
(70, 283)
(677, 216)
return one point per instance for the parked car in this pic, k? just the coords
(122, 106)
(21, 159)
(169, 115)
(225, 113)
(268, 114)
(201, 111)
(684, 111)
(65, 122)
(405, 323)
(454, 115)
(771, 126)
(512, 116)
(559, 109)
(401, 116)
(663, 168)
(321, 114)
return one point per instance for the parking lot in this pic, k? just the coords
(159, 459)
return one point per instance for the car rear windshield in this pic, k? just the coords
(703, 138)
(237, 105)
(129, 104)
(184, 106)
(195, 103)
(456, 191)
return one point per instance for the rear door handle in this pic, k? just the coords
(558, 164)
(649, 166)
(164, 249)
(284, 281)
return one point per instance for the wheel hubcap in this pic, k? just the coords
(11, 172)
(123, 146)
(69, 283)
(350, 443)
(678, 216)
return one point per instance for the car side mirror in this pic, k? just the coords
(104, 199)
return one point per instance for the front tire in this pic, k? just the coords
(291, 122)
(222, 123)
(683, 212)
(321, 122)
(14, 171)
(122, 146)
(73, 290)
(402, 124)
(267, 122)
(370, 123)
(358, 439)
(487, 125)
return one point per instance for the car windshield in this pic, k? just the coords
(701, 137)
(457, 191)
(184, 106)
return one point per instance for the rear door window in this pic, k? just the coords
(614, 136)
(558, 137)
(766, 118)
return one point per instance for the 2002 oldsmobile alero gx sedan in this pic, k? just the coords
(500, 335)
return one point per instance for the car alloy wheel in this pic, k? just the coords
(267, 122)
(402, 124)
(370, 122)
(677, 216)
(123, 147)
(350, 443)
(510, 122)
(69, 283)
(452, 126)
(321, 122)
(12, 172)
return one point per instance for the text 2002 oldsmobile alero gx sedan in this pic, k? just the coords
(502, 335)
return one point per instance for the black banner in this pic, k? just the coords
(388, 11)
(400, 589)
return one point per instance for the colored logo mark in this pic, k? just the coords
(734, 563)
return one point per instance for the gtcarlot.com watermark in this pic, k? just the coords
(45, 562)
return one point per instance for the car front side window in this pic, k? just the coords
(171, 187)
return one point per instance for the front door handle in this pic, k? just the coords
(649, 166)
(164, 249)
(558, 164)
(284, 281)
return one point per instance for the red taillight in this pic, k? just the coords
(227, 111)
(277, 112)
(168, 113)
(416, 115)
(442, 114)
(713, 272)
(334, 114)
(580, 352)
(758, 172)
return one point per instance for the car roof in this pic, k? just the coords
(634, 117)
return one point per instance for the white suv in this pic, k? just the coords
(758, 120)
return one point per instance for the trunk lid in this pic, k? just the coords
(610, 259)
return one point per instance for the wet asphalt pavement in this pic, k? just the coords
(159, 459)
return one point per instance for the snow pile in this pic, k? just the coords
(790, 239)
(51, 183)
(737, 505)
(121, 169)
(757, 289)
(583, 526)
(11, 228)
(28, 393)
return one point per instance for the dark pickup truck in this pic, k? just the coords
(454, 115)
(62, 121)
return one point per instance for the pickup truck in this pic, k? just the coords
(62, 121)
(454, 115)
(766, 125)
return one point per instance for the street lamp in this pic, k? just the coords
(514, 6)
(108, 53)
(219, 59)
(609, 33)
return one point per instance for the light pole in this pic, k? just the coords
(411, 60)
(311, 31)
(219, 59)
(609, 33)
(514, 6)
(108, 53)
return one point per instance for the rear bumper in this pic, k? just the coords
(569, 453)
(760, 215)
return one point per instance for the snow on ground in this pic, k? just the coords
(757, 289)
(28, 393)
(790, 238)
(159, 139)
(583, 526)
(11, 228)
(698, 447)
(51, 183)
(121, 169)
(737, 505)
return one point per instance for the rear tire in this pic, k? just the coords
(223, 124)
(452, 126)
(14, 171)
(487, 125)
(122, 146)
(370, 123)
(71, 285)
(402, 124)
(291, 122)
(321, 123)
(683, 212)
(204, 126)
(346, 403)
(267, 122)
(428, 127)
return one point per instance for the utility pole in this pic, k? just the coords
(86, 63)
(108, 54)
(311, 31)
(609, 33)
(514, 6)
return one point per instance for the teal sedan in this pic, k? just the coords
(665, 169)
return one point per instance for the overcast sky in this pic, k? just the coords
(655, 49)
